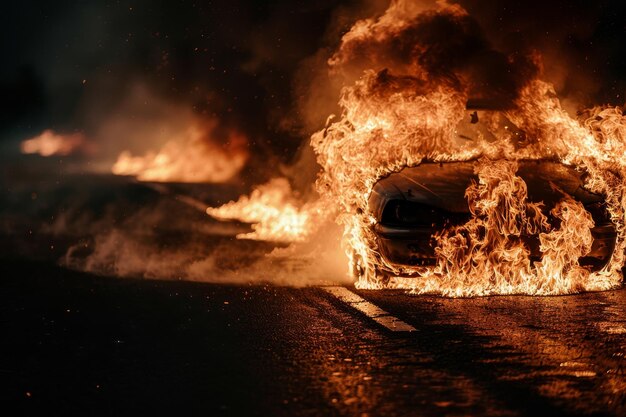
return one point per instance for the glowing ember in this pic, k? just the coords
(194, 156)
(274, 213)
(49, 143)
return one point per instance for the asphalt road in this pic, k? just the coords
(76, 344)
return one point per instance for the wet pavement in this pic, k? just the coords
(76, 344)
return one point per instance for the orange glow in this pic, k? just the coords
(49, 143)
(379, 135)
(389, 122)
(395, 116)
(193, 156)
(274, 212)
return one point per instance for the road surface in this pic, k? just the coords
(77, 344)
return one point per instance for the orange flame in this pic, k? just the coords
(395, 115)
(192, 157)
(486, 255)
(392, 121)
(273, 211)
(49, 143)
(380, 134)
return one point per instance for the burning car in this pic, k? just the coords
(455, 162)
(414, 205)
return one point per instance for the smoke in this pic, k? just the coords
(137, 77)
(490, 49)
(263, 69)
(232, 61)
(205, 252)
(579, 42)
(111, 226)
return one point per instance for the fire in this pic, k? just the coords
(193, 156)
(273, 211)
(486, 255)
(49, 143)
(404, 104)
(391, 120)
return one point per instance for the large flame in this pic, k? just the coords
(487, 255)
(403, 110)
(393, 121)
(193, 156)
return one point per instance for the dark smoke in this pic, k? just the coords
(581, 42)
(449, 46)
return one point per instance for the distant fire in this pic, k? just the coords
(415, 74)
(193, 156)
(49, 143)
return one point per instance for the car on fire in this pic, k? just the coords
(413, 204)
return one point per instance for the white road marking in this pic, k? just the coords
(372, 311)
